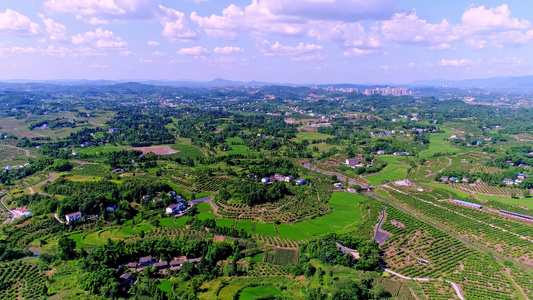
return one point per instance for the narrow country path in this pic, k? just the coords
(379, 236)
(8, 221)
(441, 170)
(453, 284)
(27, 151)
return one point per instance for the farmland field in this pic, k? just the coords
(206, 215)
(447, 188)
(396, 169)
(300, 136)
(251, 293)
(204, 206)
(225, 222)
(246, 225)
(266, 229)
(526, 202)
(438, 144)
(186, 149)
(345, 216)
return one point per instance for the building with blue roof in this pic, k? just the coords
(473, 205)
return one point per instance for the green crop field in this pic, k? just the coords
(447, 188)
(186, 150)
(526, 202)
(225, 222)
(246, 225)
(165, 285)
(204, 206)
(258, 257)
(144, 226)
(93, 239)
(99, 149)
(292, 232)
(300, 136)
(266, 229)
(345, 216)
(251, 293)
(78, 239)
(206, 215)
(396, 169)
(438, 144)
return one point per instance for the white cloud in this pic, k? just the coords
(197, 51)
(175, 26)
(126, 53)
(228, 50)
(153, 43)
(100, 38)
(146, 61)
(51, 50)
(84, 7)
(480, 27)
(56, 31)
(455, 62)
(384, 68)
(302, 52)
(12, 22)
(96, 21)
(345, 10)
(409, 29)
(507, 62)
(98, 66)
(411, 65)
(87, 52)
(359, 52)
(480, 19)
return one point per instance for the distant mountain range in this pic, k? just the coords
(493, 83)
(520, 83)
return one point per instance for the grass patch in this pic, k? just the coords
(251, 293)
(300, 136)
(204, 206)
(99, 149)
(78, 239)
(447, 188)
(186, 149)
(246, 225)
(165, 286)
(526, 202)
(292, 232)
(225, 222)
(266, 229)
(144, 226)
(344, 217)
(258, 257)
(396, 169)
(205, 215)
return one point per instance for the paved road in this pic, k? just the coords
(27, 152)
(339, 176)
(8, 221)
(379, 236)
(202, 200)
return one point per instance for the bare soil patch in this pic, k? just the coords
(158, 150)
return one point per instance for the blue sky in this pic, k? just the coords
(286, 41)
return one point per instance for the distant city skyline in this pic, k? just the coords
(281, 41)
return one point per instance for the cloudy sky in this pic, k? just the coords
(296, 41)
